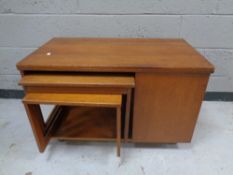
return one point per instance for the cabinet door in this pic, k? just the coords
(166, 106)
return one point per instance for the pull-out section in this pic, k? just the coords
(78, 83)
(78, 80)
(85, 105)
(78, 116)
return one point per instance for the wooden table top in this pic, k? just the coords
(116, 55)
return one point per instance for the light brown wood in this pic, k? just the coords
(72, 90)
(166, 106)
(38, 126)
(73, 99)
(77, 80)
(116, 55)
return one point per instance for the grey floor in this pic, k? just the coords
(209, 153)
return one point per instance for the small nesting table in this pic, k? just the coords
(68, 129)
(137, 90)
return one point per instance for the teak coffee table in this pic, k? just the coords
(137, 90)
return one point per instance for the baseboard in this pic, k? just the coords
(219, 96)
(209, 96)
(18, 94)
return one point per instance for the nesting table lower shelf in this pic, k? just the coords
(83, 123)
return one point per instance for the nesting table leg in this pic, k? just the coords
(118, 131)
(37, 123)
(127, 115)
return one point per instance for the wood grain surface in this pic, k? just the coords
(73, 99)
(116, 55)
(86, 123)
(77, 80)
(166, 106)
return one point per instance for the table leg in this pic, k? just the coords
(127, 115)
(38, 125)
(118, 131)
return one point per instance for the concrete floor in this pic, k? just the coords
(211, 150)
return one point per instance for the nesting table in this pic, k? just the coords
(132, 90)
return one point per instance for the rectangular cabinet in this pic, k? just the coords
(137, 90)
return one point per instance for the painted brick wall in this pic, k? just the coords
(206, 24)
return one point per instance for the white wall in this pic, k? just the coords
(206, 24)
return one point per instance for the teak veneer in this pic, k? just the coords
(73, 99)
(160, 82)
(78, 81)
(116, 55)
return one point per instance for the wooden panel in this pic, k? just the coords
(166, 106)
(86, 123)
(77, 80)
(116, 55)
(73, 99)
(83, 90)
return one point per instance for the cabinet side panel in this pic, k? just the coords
(166, 106)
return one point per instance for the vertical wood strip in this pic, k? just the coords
(118, 130)
(38, 126)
